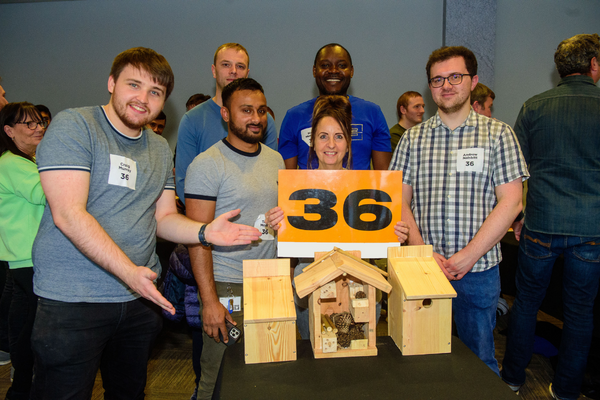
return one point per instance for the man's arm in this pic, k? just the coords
(291, 163)
(492, 230)
(270, 138)
(213, 312)
(381, 159)
(186, 151)
(414, 234)
(67, 194)
(177, 228)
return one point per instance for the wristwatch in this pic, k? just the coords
(202, 237)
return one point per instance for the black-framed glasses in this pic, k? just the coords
(454, 79)
(33, 124)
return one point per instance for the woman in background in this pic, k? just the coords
(330, 149)
(22, 203)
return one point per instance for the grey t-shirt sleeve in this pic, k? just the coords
(203, 178)
(66, 144)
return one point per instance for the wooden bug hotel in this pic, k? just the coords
(269, 312)
(420, 304)
(342, 307)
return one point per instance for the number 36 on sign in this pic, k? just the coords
(352, 210)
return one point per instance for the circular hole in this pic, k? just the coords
(427, 303)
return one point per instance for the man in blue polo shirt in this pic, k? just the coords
(333, 72)
(202, 126)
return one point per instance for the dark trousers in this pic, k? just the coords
(6, 287)
(72, 340)
(20, 325)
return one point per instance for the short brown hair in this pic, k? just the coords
(446, 53)
(338, 108)
(236, 46)
(404, 99)
(574, 55)
(147, 60)
(481, 93)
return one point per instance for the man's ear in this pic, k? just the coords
(474, 82)
(476, 106)
(402, 110)
(111, 84)
(225, 114)
(213, 69)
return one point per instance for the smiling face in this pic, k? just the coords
(452, 98)
(333, 71)
(246, 117)
(26, 139)
(414, 112)
(231, 64)
(135, 101)
(330, 144)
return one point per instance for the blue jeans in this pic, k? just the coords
(537, 253)
(72, 340)
(474, 310)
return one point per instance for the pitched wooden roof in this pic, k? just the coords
(335, 263)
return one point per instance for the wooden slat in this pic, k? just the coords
(367, 275)
(410, 251)
(270, 342)
(268, 299)
(358, 259)
(421, 278)
(272, 267)
(310, 280)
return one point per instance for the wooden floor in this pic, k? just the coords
(170, 373)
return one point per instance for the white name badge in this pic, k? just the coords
(305, 134)
(266, 233)
(232, 304)
(469, 160)
(123, 171)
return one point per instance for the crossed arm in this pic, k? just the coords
(492, 230)
(67, 195)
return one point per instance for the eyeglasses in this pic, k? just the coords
(33, 124)
(454, 79)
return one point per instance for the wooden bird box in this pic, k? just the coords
(269, 312)
(332, 283)
(420, 304)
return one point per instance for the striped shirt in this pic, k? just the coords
(454, 174)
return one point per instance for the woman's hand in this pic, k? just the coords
(401, 230)
(273, 217)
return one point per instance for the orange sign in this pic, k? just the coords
(354, 207)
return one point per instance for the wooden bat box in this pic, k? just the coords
(269, 312)
(420, 304)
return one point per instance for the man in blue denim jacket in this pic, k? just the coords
(559, 134)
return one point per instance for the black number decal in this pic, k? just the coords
(353, 210)
(327, 200)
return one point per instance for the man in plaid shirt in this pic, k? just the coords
(462, 190)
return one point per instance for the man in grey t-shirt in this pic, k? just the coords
(110, 191)
(237, 170)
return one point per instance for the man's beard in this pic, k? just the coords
(455, 106)
(245, 135)
(121, 111)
